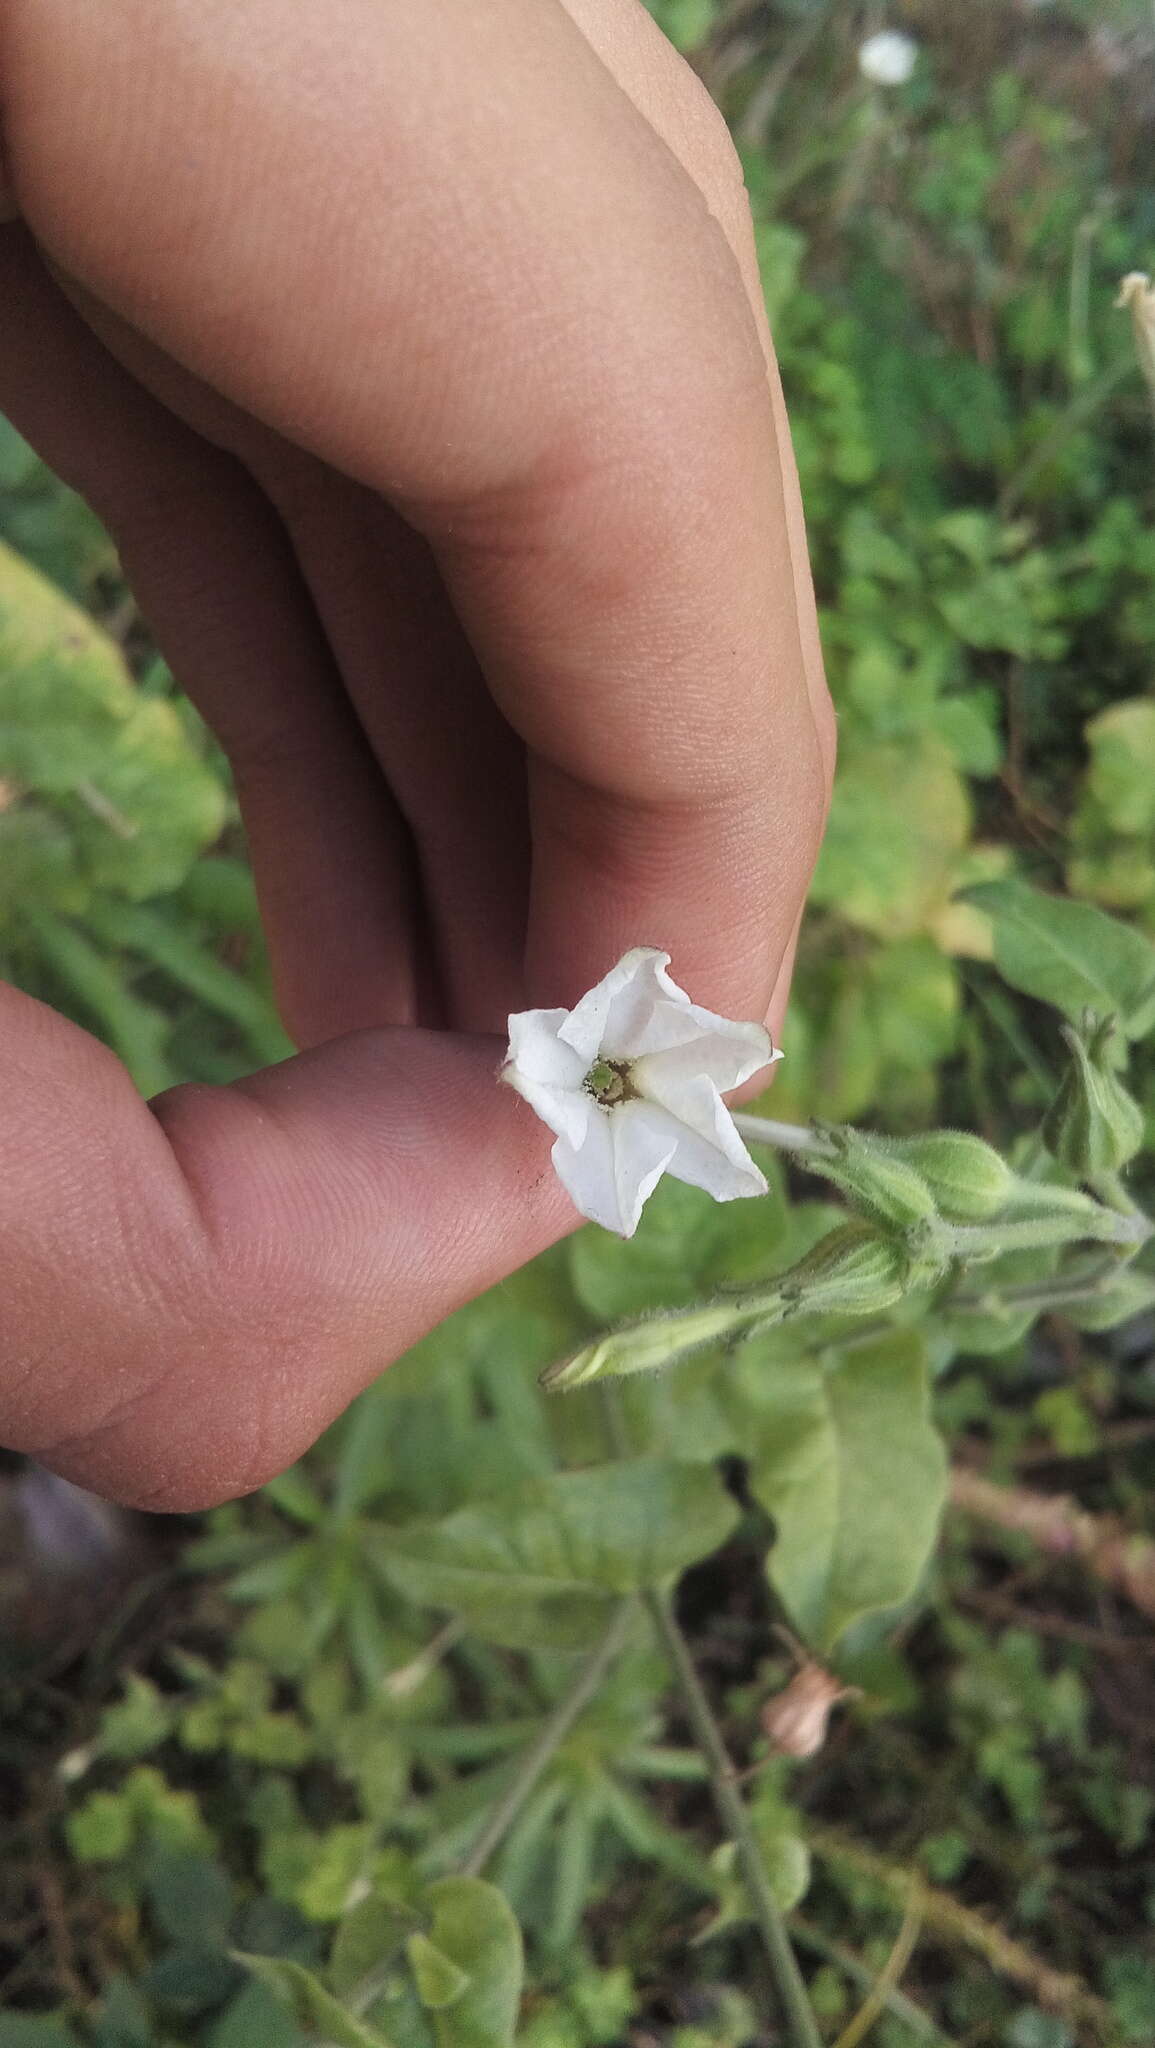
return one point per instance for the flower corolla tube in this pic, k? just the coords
(631, 1082)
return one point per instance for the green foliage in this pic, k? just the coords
(1070, 954)
(258, 1840)
(853, 1474)
(535, 1569)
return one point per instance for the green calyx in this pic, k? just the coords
(1094, 1125)
(871, 1172)
(968, 1179)
(855, 1271)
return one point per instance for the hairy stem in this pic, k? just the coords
(1065, 1288)
(801, 2026)
(766, 1130)
(550, 1738)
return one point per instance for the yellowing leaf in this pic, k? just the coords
(900, 819)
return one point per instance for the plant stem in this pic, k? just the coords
(766, 1130)
(889, 1978)
(550, 1738)
(903, 2008)
(801, 2027)
(976, 1241)
(1042, 1294)
(951, 1921)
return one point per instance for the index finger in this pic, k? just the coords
(444, 250)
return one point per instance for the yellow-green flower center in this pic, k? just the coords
(610, 1082)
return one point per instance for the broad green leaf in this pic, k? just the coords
(846, 1461)
(313, 2008)
(1070, 954)
(658, 1267)
(474, 1931)
(370, 1936)
(438, 1979)
(536, 1567)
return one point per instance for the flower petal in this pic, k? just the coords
(707, 1151)
(726, 1057)
(538, 1051)
(612, 1173)
(637, 1011)
(611, 1015)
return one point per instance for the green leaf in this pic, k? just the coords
(887, 866)
(116, 769)
(848, 1464)
(536, 1567)
(313, 2008)
(137, 1722)
(439, 1981)
(1070, 954)
(160, 941)
(123, 2020)
(475, 1933)
(35, 2030)
(255, 2018)
(658, 1267)
(372, 1933)
(1122, 772)
(136, 1030)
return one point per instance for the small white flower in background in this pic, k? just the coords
(631, 1080)
(1137, 297)
(888, 58)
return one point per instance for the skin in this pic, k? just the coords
(415, 359)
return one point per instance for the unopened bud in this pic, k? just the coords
(646, 1346)
(854, 1271)
(872, 1173)
(1093, 1125)
(795, 1721)
(969, 1180)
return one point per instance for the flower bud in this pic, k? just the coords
(870, 1172)
(645, 1346)
(795, 1721)
(854, 1271)
(1093, 1125)
(969, 1180)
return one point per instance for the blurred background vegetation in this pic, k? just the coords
(249, 1721)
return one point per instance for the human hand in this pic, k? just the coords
(415, 361)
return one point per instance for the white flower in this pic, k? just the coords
(888, 58)
(630, 1080)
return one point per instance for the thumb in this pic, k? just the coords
(196, 1286)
